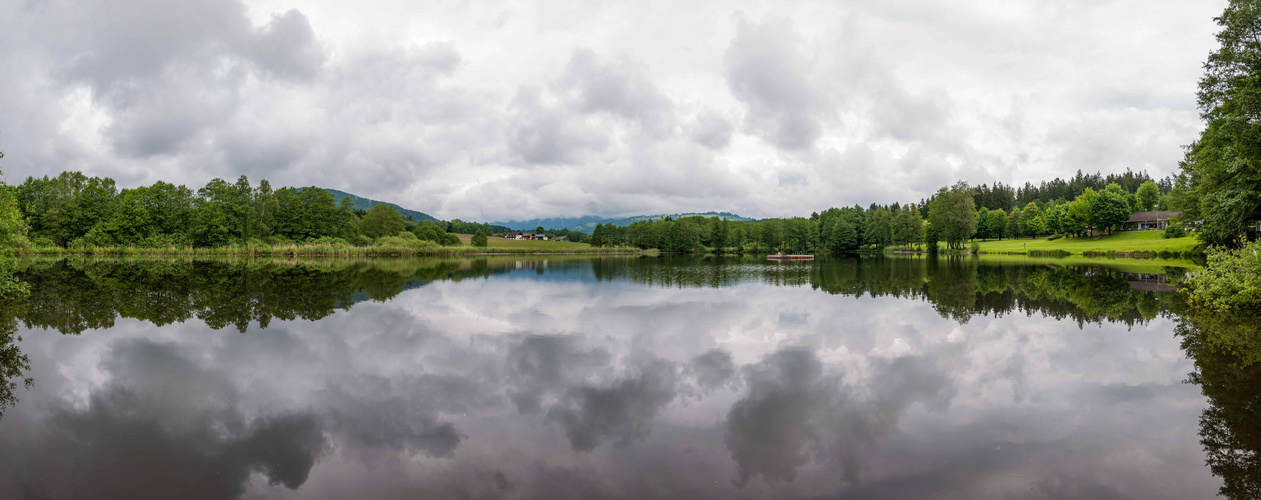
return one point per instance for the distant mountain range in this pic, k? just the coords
(587, 224)
(362, 203)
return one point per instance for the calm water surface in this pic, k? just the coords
(615, 377)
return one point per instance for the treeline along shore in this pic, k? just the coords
(73, 213)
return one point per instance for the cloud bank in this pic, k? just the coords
(484, 111)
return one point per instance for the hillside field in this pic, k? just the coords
(1119, 242)
(494, 242)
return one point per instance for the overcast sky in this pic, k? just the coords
(509, 110)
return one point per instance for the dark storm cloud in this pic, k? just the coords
(171, 71)
(794, 412)
(711, 370)
(622, 412)
(768, 72)
(286, 47)
(138, 428)
(399, 414)
(543, 367)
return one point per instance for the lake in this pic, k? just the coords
(621, 377)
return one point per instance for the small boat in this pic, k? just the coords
(781, 256)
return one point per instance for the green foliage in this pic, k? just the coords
(1013, 223)
(1031, 223)
(844, 237)
(996, 223)
(479, 239)
(879, 229)
(381, 220)
(952, 212)
(931, 237)
(976, 247)
(1147, 196)
(1078, 214)
(1054, 219)
(1174, 230)
(908, 227)
(1109, 210)
(12, 225)
(1219, 174)
(1230, 280)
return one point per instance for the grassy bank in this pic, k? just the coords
(1122, 243)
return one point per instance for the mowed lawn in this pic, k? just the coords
(497, 242)
(1120, 242)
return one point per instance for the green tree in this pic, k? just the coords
(382, 220)
(952, 213)
(1146, 197)
(1109, 211)
(1054, 218)
(908, 227)
(997, 223)
(843, 237)
(538, 230)
(1013, 223)
(1220, 170)
(1078, 215)
(879, 229)
(1031, 223)
(478, 240)
(12, 224)
(983, 230)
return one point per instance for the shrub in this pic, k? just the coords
(976, 247)
(1173, 230)
(1054, 237)
(329, 240)
(42, 242)
(407, 235)
(1231, 279)
(479, 239)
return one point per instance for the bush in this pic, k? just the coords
(1230, 280)
(1054, 237)
(360, 240)
(976, 247)
(407, 235)
(479, 239)
(42, 242)
(1173, 230)
(329, 240)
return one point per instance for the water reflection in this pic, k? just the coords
(72, 296)
(1226, 351)
(617, 377)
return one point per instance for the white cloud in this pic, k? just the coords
(553, 108)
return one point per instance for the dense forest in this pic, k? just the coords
(73, 210)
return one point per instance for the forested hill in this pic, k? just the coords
(587, 224)
(362, 203)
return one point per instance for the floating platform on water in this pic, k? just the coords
(789, 257)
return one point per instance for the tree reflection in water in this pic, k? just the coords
(1226, 350)
(73, 296)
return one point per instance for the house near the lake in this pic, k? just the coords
(1150, 220)
(517, 235)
